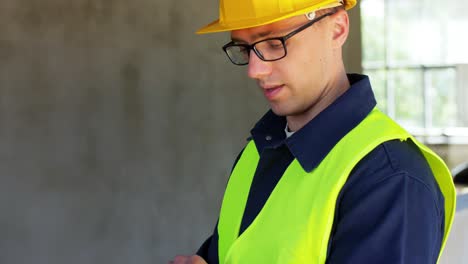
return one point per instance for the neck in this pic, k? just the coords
(332, 91)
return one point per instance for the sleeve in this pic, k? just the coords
(203, 250)
(209, 249)
(393, 218)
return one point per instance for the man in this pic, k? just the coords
(326, 177)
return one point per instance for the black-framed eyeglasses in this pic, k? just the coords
(270, 49)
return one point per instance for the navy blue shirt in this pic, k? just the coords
(389, 211)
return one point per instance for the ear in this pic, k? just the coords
(340, 28)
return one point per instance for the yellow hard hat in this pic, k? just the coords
(240, 14)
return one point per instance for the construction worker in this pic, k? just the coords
(326, 177)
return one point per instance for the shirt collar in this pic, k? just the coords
(314, 141)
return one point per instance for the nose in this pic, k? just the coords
(258, 68)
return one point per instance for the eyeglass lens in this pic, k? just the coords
(268, 50)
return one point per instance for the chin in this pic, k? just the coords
(280, 111)
(285, 111)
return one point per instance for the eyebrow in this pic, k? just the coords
(256, 36)
(261, 35)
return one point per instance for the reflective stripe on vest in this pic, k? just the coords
(295, 223)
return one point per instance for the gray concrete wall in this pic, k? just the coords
(352, 52)
(118, 129)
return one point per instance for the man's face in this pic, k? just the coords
(297, 82)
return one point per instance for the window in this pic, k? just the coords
(416, 54)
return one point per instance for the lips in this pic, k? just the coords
(271, 92)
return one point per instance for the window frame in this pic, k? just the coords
(427, 133)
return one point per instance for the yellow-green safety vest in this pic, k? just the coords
(295, 223)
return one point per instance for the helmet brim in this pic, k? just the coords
(217, 26)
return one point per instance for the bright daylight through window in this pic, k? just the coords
(416, 54)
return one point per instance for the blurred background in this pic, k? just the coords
(119, 125)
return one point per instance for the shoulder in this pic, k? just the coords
(393, 159)
(393, 195)
(395, 165)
